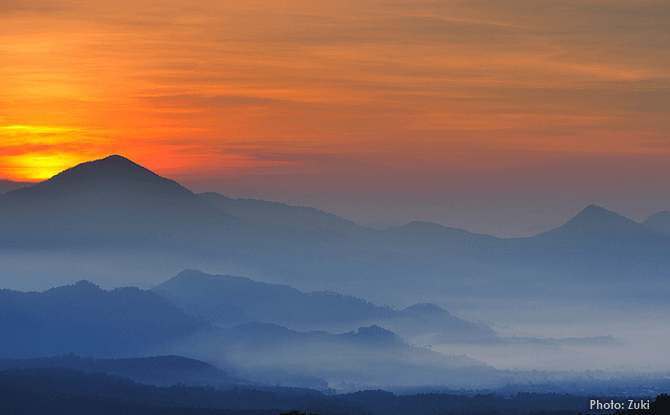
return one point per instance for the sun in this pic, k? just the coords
(38, 167)
(36, 153)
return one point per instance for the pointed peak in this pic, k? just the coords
(115, 158)
(597, 221)
(594, 210)
(116, 161)
(113, 166)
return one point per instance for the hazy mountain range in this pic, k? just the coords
(251, 348)
(226, 301)
(297, 296)
(117, 206)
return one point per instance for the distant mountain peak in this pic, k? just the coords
(595, 210)
(596, 213)
(597, 221)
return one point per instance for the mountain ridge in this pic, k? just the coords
(596, 221)
(228, 301)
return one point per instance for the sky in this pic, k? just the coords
(504, 118)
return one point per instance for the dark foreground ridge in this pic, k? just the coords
(56, 391)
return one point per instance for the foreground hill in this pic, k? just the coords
(88, 321)
(70, 392)
(60, 391)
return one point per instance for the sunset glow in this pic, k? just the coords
(271, 96)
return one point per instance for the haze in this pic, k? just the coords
(312, 206)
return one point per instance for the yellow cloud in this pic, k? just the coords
(38, 166)
(36, 153)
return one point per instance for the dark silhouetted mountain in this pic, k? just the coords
(659, 222)
(225, 301)
(115, 203)
(59, 391)
(86, 320)
(108, 199)
(114, 180)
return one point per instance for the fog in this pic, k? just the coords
(286, 296)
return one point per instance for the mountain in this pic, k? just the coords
(113, 214)
(659, 222)
(596, 245)
(113, 203)
(226, 301)
(88, 321)
(114, 180)
(108, 199)
(597, 222)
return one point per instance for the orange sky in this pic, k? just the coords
(308, 98)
